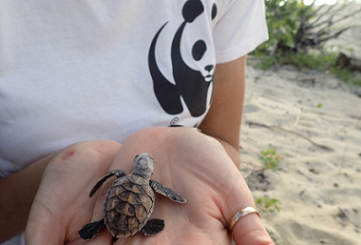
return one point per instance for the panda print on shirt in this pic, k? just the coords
(191, 86)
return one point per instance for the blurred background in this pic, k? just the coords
(301, 128)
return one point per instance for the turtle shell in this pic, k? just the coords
(128, 205)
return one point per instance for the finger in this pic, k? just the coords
(249, 229)
(62, 188)
(235, 196)
(37, 228)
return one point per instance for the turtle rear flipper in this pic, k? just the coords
(152, 227)
(167, 192)
(117, 172)
(91, 230)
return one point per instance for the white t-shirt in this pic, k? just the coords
(83, 70)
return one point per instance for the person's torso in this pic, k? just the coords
(83, 70)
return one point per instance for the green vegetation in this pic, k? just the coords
(297, 36)
(283, 21)
(268, 204)
(271, 159)
(314, 61)
(325, 62)
(346, 75)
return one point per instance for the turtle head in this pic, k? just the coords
(143, 165)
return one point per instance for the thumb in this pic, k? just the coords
(249, 229)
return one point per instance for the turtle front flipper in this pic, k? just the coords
(117, 172)
(91, 230)
(167, 192)
(153, 226)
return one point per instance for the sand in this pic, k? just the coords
(314, 122)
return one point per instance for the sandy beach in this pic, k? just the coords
(318, 182)
(314, 121)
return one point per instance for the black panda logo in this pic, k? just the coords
(190, 85)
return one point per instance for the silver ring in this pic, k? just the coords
(238, 215)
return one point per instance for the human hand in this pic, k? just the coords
(195, 166)
(62, 203)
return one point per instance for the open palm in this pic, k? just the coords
(192, 164)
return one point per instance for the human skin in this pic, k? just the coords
(223, 121)
(191, 163)
(18, 191)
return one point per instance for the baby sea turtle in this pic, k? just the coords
(130, 202)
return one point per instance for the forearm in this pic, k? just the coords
(223, 121)
(17, 193)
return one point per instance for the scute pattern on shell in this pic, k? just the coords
(128, 206)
